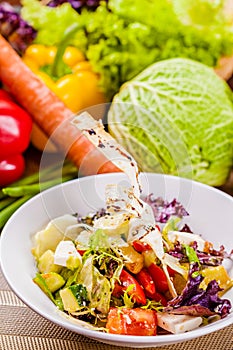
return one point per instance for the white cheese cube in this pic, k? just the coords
(178, 323)
(66, 250)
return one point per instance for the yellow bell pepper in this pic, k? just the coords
(78, 87)
(219, 274)
(76, 84)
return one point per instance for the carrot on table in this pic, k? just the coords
(49, 113)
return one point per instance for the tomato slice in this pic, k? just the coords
(127, 280)
(171, 271)
(81, 251)
(159, 278)
(160, 298)
(145, 279)
(140, 246)
(132, 321)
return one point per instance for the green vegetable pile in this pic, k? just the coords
(176, 117)
(13, 196)
(123, 37)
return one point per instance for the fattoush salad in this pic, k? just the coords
(133, 267)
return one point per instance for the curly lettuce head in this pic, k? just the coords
(176, 117)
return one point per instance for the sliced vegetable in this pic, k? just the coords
(40, 281)
(147, 282)
(97, 284)
(135, 291)
(132, 321)
(159, 298)
(178, 323)
(159, 278)
(46, 263)
(133, 259)
(52, 234)
(53, 280)
(74, 297)
(218, 273)
(140, 246)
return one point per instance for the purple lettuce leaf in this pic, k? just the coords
(212, 258)
(191, 310)
(13, 28)
(78, 5)
(194, 295)
(163, 209)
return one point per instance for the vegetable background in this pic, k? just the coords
(149, 32)
(119, 44)
(177, 117)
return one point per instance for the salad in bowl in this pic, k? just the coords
(134, 266)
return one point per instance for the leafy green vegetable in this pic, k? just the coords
(127, 298)
(191, 254)
(98, 240)
(97, 285)
(50, 23)
(123, 37)
(202, 13)
(176, 117)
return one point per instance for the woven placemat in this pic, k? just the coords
(23, 329)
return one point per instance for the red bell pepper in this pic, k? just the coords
(15, 129)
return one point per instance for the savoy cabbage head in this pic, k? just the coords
(176, 117)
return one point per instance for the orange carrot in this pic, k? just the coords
(49, 113)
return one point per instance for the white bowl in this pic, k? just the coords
(211, 215)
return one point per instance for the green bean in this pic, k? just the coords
(19, 191)
(5, 202)
(10, 209)
(14, 195)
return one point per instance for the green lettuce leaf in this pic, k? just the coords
(51, 23)
(97, 285)
(123, 37)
